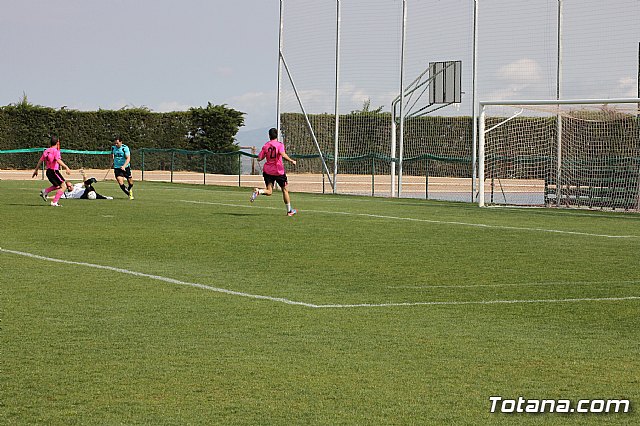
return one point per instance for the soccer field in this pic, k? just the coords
(189, 305)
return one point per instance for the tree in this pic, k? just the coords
(215, 128)
(366, 109)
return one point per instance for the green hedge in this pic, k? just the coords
(29, 126)
(446, 142)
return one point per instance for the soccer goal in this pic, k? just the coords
(560, 153)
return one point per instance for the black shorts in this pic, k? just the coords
(55, 177)
(126, 173)
(270, 179)
(87, 190)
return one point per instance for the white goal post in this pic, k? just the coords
(576, 153)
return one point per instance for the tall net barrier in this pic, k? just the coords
(517, 49)
(547, 49)
(600, 49)
(307, 83)
(582, 155)
(369, 43)
(438, 135)
(368, 84)
(583, 49)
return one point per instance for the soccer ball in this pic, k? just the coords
(91, 195)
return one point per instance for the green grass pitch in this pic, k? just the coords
(189, 305)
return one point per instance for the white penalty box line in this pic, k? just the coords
(308, 305)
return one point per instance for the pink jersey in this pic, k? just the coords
(272, 151)
(50, 156)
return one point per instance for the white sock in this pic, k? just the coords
(261, 191)
(289, 207)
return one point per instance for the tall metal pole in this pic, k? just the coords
(393, 152)
(402, 50)
(337, 114)
(638, 126)
(279, 66)
(474, 113)
(559, 116)
(325, 169)
(481, 144)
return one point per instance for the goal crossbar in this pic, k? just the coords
(560, 102)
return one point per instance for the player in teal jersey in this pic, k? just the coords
(121, 156)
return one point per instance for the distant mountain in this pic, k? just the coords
(255, 137)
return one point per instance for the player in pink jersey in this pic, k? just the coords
(273, 170)
(53, 160)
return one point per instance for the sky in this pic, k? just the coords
(165, 55)
(517, 49)
(170, 55)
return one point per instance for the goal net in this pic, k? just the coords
(567, 153)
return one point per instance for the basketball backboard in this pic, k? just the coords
(446, 83)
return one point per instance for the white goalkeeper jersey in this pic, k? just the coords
(76, 192)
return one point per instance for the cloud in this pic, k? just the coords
(255, 96)
(119, 104)
(224, 71)
(259, 108)
(518, 79)
(352, 97)
(253, 101)
(509, 92)
(628, 86)
(523, 71)
(314, 100)
(170, 106)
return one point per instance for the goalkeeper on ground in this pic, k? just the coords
(83, 190)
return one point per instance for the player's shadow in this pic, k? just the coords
(236, 214)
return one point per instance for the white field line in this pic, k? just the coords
(556, 283)
(411, 219)
(569, 212)
(310, 305)
(482, 302)
(159, 278)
